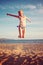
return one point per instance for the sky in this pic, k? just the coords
(31, 8)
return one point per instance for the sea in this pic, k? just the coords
(21, 41)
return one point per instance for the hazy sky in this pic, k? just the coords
(32, 9)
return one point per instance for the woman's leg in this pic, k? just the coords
(23, 32)
(20, 32)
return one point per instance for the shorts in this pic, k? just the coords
(22, 27)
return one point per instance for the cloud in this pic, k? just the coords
(7, 7)
(26, 6)
(34, 9)
(2, 7)
(40, 5)
(40, 8)
(11, 7)
(31, 6)
(40, 11)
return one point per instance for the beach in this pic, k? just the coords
(21, 54)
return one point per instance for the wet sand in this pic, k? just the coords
(21, 54)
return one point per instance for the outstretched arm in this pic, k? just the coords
(13, 15)
(28, 19)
